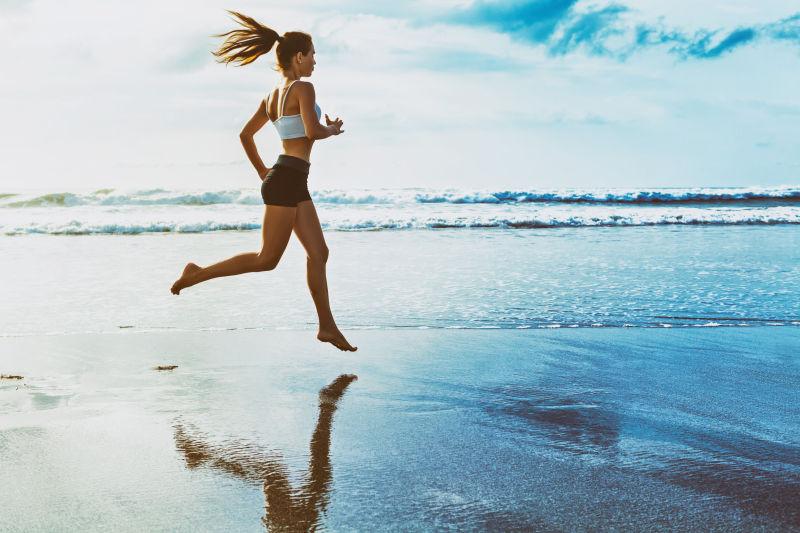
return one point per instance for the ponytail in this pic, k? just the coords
(245, 45)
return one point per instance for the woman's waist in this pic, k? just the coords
(293, 162)
(304, 155)
(298, 147)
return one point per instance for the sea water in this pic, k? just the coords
(557, 360)
(102, 261)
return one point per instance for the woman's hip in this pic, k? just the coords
(284, 184)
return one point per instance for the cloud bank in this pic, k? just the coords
(565, 26)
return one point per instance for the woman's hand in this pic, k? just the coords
(263, 175)
(335, 125)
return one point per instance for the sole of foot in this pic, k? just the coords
(182, 282)
(337, 340)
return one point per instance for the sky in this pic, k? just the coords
(449, 93)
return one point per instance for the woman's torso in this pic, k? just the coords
(289, 118)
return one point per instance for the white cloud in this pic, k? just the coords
(691, 15)
(113, 93)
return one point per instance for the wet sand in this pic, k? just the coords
(553, 430)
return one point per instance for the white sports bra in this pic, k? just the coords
(291, 126)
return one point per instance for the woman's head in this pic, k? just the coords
(295, 50)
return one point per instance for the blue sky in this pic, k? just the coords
(446, 93)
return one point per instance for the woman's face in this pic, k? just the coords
(308, 62)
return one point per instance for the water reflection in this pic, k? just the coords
(286, 509)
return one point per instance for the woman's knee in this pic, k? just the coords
(319, 256)
(266, 262)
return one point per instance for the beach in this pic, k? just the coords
(553, 430)
(561, 250)
(634, 372)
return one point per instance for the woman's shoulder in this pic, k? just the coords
(304, 86)
(305, 92)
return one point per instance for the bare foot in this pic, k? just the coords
(335, 337)
(185, 279)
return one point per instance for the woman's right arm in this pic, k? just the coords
(246, 137)
(307, 98)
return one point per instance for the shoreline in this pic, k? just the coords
(121, 330)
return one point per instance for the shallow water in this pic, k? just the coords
(478, 278)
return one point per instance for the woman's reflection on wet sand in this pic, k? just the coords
(285, 509)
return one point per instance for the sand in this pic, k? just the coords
(572, 429)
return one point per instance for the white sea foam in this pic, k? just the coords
(161, 211)
(251, 196)
(181, 219)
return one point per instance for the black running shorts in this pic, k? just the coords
(287, 182)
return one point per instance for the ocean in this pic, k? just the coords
(110, 211)
(102, 261)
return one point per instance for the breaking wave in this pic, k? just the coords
(251, 196)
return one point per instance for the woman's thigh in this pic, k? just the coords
(309, 231)
(276, 229)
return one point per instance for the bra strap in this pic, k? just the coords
(282, 107)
